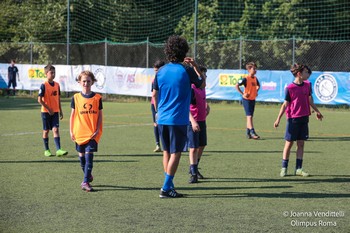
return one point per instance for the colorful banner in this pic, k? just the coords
(330, 88)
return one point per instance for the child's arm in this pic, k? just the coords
(41, 101)
(319, 116)
(99, 122)
(193, 63)
(71, 124)
(207, 107)
(155, 99)
(280, 114)
(195, 126)
(59, 102)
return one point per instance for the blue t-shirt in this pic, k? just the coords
(12, 70)
(173, 83)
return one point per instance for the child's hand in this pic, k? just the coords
(277, 122)
(61, 115)
(246, 95)
(72, 136)
(319, 116)
(195, 127)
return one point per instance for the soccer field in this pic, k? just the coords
(242, 191)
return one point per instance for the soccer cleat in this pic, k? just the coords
(157, 149)
(170, 194)
(253, 135)
(249, 136)
(199, 175)
(193, 179)
(300, 172)
(283, 172)
(47, 153)
(86, 187)
(60, 152)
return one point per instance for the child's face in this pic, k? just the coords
(305, 74)
(86, 82)
(252, 71)
(51, 75)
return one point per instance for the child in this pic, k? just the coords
(86, 125)
(12, 75)
(156, 67)
(50, 100)
(197, 130)
(172, 96)
(251, 88)
(298, 101)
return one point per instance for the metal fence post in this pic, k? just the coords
(293, 51)
(240, 51)
(31, 52)
(147, 52)
(106, 52)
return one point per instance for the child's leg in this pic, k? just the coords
(46, 139)
(286, 153)
(250, 122)
(300, 153)
(82, 161)
(89, 156)
(193, 155)
(56, 137)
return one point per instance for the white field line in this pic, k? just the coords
(66, 130)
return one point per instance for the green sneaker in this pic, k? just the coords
(283, 172)
(47, 153)
(300, 172)
(61, 152)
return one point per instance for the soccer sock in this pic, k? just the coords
(46, 143)
(194, 169)
(156, 134)
(248, 131)
(82, 163)
(299, 164)
(168, 182)
(285, 163)
(57, 142)
(88, 166)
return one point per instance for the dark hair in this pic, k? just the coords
(158, 64)
(48, 68)
(297, 68)
(203, 68)
(176, 48)
(87, 73)
(308, 69)
(13, 60)
(250, 65)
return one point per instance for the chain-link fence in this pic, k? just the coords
(233, 54)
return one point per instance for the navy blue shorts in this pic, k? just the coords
(89, 147)
(297, 129)
(197, 139)
(12, 82)
(173, 137)
(50, 122)
(249, 106)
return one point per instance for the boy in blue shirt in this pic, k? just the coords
(172, 95)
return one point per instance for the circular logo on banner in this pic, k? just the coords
(100, 77)
(326, 88)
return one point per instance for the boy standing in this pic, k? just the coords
(12, 75)
(197, 137)
(298, 101)
(156, 67)
(172, 95)
(86, 125)
(50, 101)
(251, 88)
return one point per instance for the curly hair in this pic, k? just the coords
(297, 68)
(176, 48)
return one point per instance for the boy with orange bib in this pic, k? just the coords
(49, 98)
(86, 125)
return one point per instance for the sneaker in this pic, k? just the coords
(169, 194)
(249, 136)
(86, 187)
(253, 135)
(300, 172)
(283, 172)
(193, 179)
(199, 175)
(47, 153)
(61, 152)
(157, 149)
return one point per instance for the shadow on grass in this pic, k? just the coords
(66, 161)
(329, 139)
(159, 154)
(273, 195)
(251, 152)
(310, 179)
